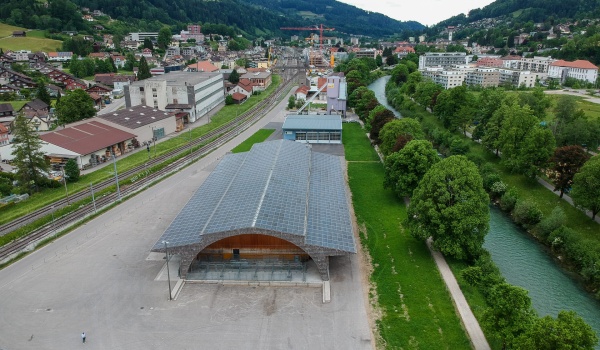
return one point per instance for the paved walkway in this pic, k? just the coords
(466, 315)
(565, 198)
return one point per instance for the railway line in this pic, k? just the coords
(186, 154)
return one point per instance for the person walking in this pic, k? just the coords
(83, 337)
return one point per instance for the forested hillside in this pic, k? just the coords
(343, 17)
(59, 15)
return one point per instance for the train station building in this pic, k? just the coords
(278, 205)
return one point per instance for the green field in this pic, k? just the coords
(415, 308)
(16, 104)
(7, 30)
(258, 137)
(31, 44)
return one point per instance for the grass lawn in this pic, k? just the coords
(416, 309)
(258, 137)
(31, 44)
(16, 104)
(7, 30)
(36, 34)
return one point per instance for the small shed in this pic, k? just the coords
(19, 33)
(313, 128)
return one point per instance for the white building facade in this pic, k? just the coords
(196, 93)
(580, 70)
(442, 59)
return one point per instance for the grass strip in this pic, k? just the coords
(258, 137)
(416, 308)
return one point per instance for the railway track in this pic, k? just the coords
(187, 154)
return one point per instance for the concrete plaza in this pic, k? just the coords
(100, 279)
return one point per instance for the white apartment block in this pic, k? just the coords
(580, 70)
(484, 77)
(447, 78)
(536, 64)
(196, 93)
(517, 78)
(442, 59)
(139, 37)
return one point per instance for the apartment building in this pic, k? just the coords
(484, 77)
(442, 59)
(517, 78)
(580, 70)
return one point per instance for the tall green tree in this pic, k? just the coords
(148, 44)
(537, 100)
(42, 92)
(510, 314)
(566, 332)
(405, 168)
(586, 186)
(76, 105)
(144, 70)
(72, 171)
(536, 151)
(28, 157)
(164, 38)
(391, 131)
(517, 124)
(234, 77)
(450, 205)
(291, 102)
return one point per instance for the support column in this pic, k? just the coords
(322, 262)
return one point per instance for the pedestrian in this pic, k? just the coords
(83, 337)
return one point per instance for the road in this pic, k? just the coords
(100, 279)
(113, 106)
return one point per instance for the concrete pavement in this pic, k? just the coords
(100, 279)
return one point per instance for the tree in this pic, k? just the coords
(72, 171)
(537, 100)
(76, 105)
(451, 206)
(164, 38)
(405, 168)
(510, 314)
(28, 157)
(112, 65)
(144, 70)
(148, 44)
(229, 100)
(566, 162)
(291, 102)
(379, 61)
(377, 122)
(566, 332)
(392, 130)
(586, 186)
(41, 93)
(234, 77)
(517, 124)
(535, 151)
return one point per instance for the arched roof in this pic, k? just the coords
(278, 186)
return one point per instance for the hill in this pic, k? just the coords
(343, 17)
(34, 41)
(529, 10)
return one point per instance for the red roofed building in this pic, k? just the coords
(489, 62)
(580, 70)
(402, 51)
(244, 86)
(88, 143)
(239, 98)
(202, 66)
(302, 92)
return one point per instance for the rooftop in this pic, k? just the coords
(135, 117)
(312, 122)
(278, 185)
(180, 78)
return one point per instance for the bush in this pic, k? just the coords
(472, 275)
(509, 200)
(526, 213)
(498, 188)
(458, 146)
(549, 224)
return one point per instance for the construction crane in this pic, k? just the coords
(320, 28)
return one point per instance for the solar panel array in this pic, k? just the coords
(268, 187)
(329, 222)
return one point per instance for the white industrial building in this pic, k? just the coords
(194, 93)
(442, 59)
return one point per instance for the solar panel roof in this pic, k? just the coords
(278, 185)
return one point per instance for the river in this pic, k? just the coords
(378, 87)
(525, 263)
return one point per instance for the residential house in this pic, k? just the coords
(75, 84)
(244, 86)
(261, 80)
(33, 108)
(302, 92)
(202, 66)
(3, 135)
(7, 114)
(238, 98)
(119, 60)
(99, 55)
(99, 89)
(60, 56)
(146, 53)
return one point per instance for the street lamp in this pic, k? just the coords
(116, 175)
(65, 182)
(168, 273)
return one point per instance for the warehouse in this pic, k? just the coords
(313, 128)
(278, 204)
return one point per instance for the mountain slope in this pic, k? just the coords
(343, 17)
